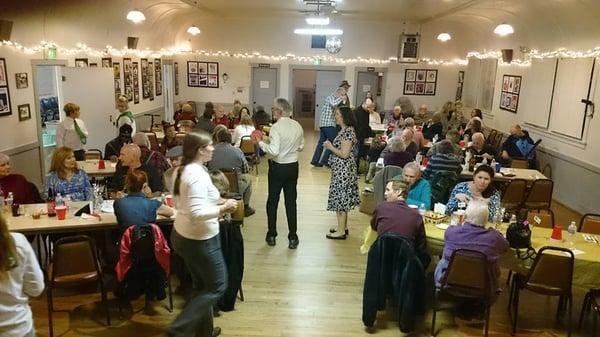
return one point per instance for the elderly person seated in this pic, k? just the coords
(227, 157)
(395, 216)
(472, 234)
(518, 146)
(113, 148)
(433, 127)
(187, 114)
(419, 190)
(130, 159)
(170, 140)
(205, 121)
(65, 178)
(453, 137)
(422, 114)
(150, 157)
(480, 150)
(23, 191)
(407, 137)
(443, 161)
(137, 208)
(245, 128)
(397, 154)
(418, 137)
(394, 117)
(221, 117)
(374, 116)
(480, 188)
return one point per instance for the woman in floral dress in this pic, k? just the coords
(343, 190)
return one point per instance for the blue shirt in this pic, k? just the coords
(135, 209)
(78, 188)
(420, 193)
(493, 201)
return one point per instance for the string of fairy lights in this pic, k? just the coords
(82, 49)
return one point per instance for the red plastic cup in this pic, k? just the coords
(461, 143)
(61, 212)
(424, 161)
(169, 200)
(101, 165)
(556, 233)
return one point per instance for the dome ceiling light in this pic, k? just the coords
(193, 30)
(136, 16)
(504, 29)
(444, 37)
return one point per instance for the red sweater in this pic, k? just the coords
(161, 252)
(19, 186)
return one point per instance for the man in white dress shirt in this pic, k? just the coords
(71, 132)
(285, 141)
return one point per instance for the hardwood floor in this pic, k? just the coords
(315, 290)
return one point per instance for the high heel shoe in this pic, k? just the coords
(333, 237)
(334, 229)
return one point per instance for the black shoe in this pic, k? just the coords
(248, 211)
(293, 243)
(334, 229)
(336, 237)
(216, 331)
(270, 240)
(316, 164)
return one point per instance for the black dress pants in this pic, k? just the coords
(282, 176)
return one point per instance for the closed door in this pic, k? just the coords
(264, 87)
(327, 82)
(369, 81)
(97, 101)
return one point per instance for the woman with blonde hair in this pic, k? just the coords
(20, 278)
(125, 116)
(72, 132)
(245, 128)
(66, 178)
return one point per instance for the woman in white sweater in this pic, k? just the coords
(245, 128)
(20, 277)
(195, 236)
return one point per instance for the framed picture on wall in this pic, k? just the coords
(158, 76)
(117, 70)
(24, 112)
(81, 63)
(409, 88)
(410, 75)
(419, 88)
(22, 81)
(213, 81)
(106, 62)
(176, 66)
(431, 75)
(213, 68)
(3, 76)
(429, 88)
(192, 67)
(5, 109)
(461, 76)
(421, 75)
(192, 80)
(420, 81)
(202, 68)
(509, 96)
(203, 80)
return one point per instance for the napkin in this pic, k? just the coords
(442, 226)
(439, 208)
(575, 252)
(107, 206)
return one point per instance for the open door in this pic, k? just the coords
(92, 89)
(327, 82)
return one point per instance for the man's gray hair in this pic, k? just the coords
(283, 105)
(4, 158)
(397, 145)
(409, 122)
(477, 212)
(141, 139)
(414, 167)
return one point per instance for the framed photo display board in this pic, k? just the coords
(203, 74)
(176, 78)
(459, 85)
(5, 109)
(420, 82)
(117, 76)
(509, 96)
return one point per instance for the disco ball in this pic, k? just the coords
(333, 44)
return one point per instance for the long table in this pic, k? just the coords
(527, 174)
(91, 168)
(586, 272)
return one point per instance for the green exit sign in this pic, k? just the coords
(51, 53)
(317, 62)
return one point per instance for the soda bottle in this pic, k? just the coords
(50, 203)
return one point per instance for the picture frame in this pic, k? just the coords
(213, 68)
(192, 67)
(24, 112)
(144, 73)
(410, 75)
(158, 76)
(409, 88)
(81, 62)
(459, 88)
(430, 88)
(176, 66)
(93, 64)
(203, 80)
(509, 96)
(151, 80)
(5, 106)
(21, 80)
(192, 80)
(106, 62)
(117, 70)
(3, 74)
(421, 74)
(136, 82)
(431, 76)
(202, 68)
(419, 88)
(213, 81)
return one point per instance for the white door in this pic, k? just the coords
(327, 83)
(264, 87)
(92, 89)
(168, 91)
(369, 81)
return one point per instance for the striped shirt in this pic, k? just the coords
(327, 113)
(442, 163)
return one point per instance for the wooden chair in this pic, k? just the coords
(519, 163)
(467, 276)
(74, 264)
(248, 147)
(590, 223)
(514, 195)
(153, 141)
(491, 137)
(93, 154)
(550, 275)
(179, 137)
(541, 218)
(540, 195)
(233, 175)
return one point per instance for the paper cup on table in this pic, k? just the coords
(61, 212)
(556, 233)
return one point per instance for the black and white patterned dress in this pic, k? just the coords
(343, 190)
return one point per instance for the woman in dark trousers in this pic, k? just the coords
(195, 236)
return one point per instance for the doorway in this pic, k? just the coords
(265, 86)
(168, 92)
(371, 80)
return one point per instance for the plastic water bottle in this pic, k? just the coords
(422, 209)
(435, 139)
(58, 201)
(572, 229)
(418, 158)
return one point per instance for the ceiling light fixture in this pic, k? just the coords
(444, 37)
(136, 16)
(193, 30)
(317, 20)
(318, 31)
(504, 29)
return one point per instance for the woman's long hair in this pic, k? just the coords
(192, 142)
(58, 161)
(8, 250)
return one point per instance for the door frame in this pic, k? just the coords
(293, 67)
(38, 126)
(277, 68)
(169, 62)
(384, 84)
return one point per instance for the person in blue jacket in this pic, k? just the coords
(419, 190)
